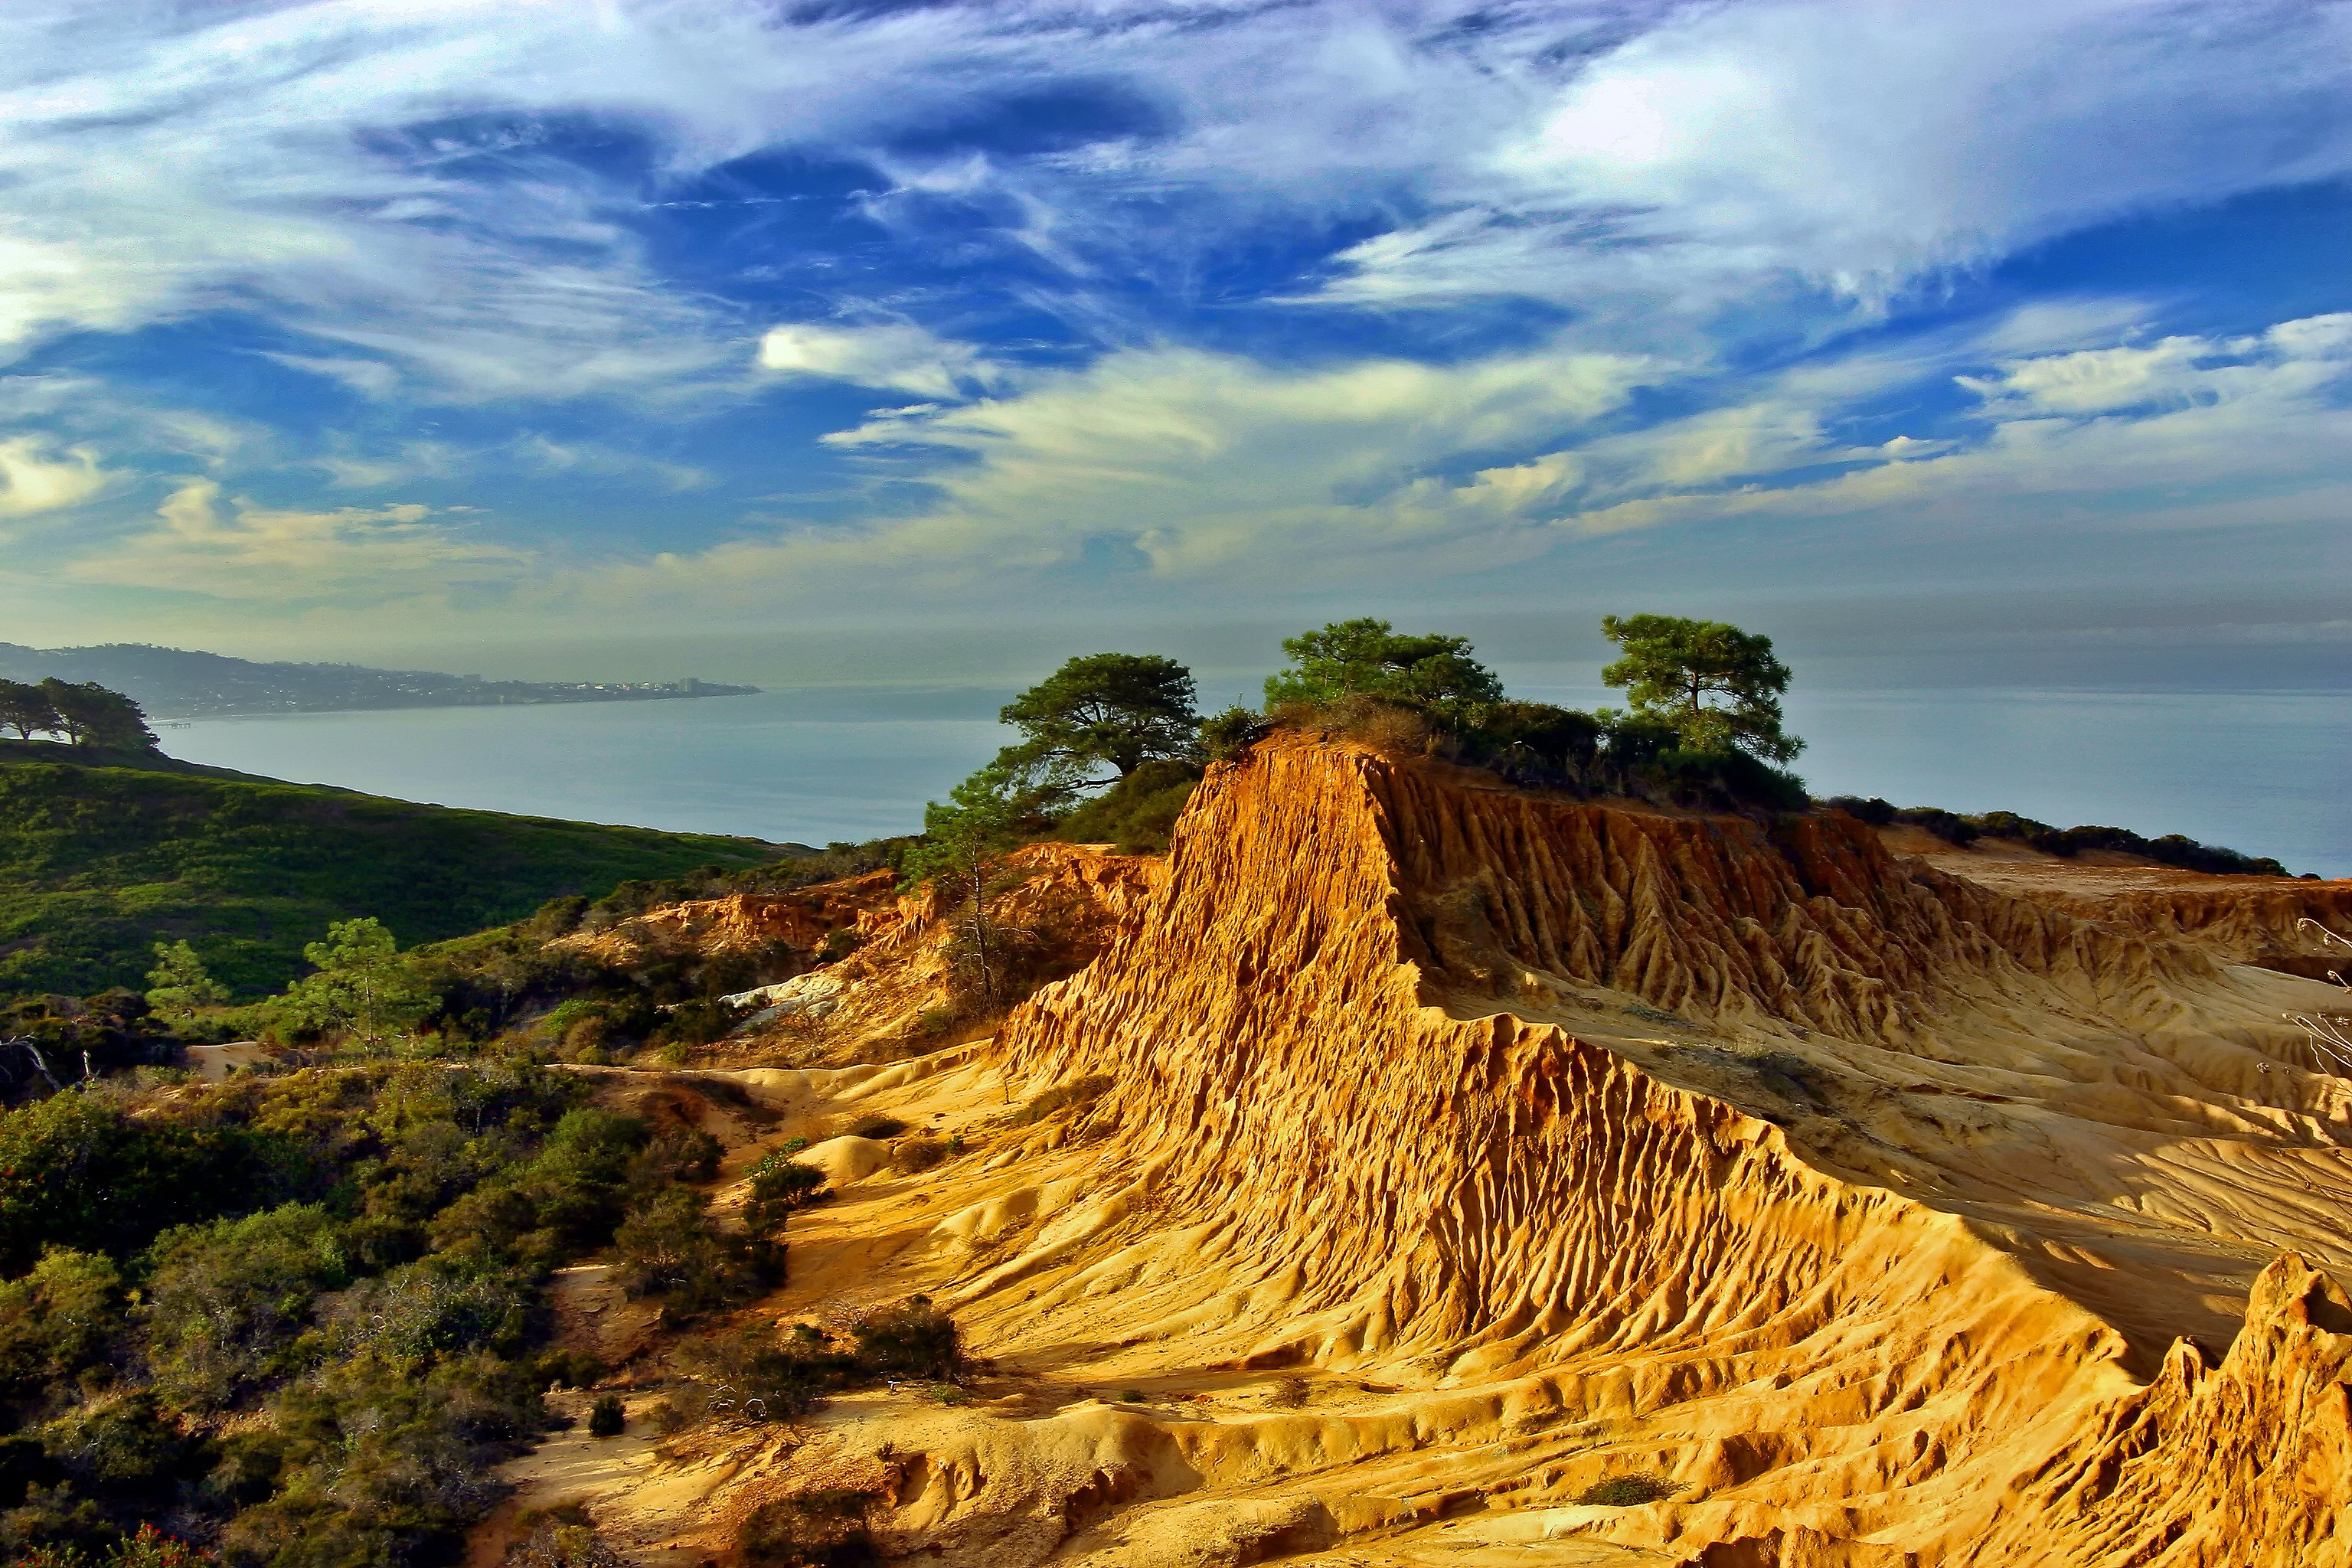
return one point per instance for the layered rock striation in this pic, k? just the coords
(1357, 1124)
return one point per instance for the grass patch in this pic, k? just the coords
(98, 861)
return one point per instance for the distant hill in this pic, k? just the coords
(172, 682)
(101, 856)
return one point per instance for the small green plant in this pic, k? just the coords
(606, 1418)
(1133, 1396)
(1628, 1491)
(874, 1124)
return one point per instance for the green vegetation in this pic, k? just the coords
(1136, 815)
(1366, 657)
(103, 855)
(294, 1320)
(962, 849)
(1704, 729)
(1628, 1491)
(2172, 849)
(87, 714)
(1120, 710)
(1673, 666)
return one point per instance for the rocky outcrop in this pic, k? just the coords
(1429, 1152)
(1372, 1174)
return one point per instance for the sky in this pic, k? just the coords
(2006, 341)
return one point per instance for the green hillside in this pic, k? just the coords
(100, 858)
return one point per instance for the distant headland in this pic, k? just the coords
(182, 683)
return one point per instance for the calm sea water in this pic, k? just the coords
(2260, 772)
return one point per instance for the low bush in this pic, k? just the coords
(779, 1186)
(1137, 814)
(563, 1538)
(749, 1377)
(669, 1246)
(912, 1339)
(921, 1152)
(1954, 830)
(1226, 736)
(810, 1530)
(681, 1154)
(1628, 1491)
(1870, 809)
(874, 1124)
(606, 1418)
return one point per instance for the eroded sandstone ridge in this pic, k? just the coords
(1447, 1151)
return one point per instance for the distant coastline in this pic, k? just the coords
(181, 683)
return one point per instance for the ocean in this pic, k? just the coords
(2262, 772)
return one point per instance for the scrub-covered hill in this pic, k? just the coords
(100, 858)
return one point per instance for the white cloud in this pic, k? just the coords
(1204, 467)
(37, 476)
(2188, 431)
(361, 555)
(895, 356)
(1859, 148)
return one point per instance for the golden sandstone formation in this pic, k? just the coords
(1439, 1151)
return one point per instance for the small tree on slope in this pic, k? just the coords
(964, 842)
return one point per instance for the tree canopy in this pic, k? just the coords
(1115, 710)
(360, 983)
(1368, 658)
(1719, 687)
(87, 714)
(25, 709)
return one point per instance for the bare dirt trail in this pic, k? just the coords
(1459, 1150)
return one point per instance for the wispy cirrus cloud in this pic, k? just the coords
(1401, 290)
(249, 553)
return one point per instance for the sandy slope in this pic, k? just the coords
(1463, 1148)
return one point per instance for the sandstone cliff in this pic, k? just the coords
(1455, 1149)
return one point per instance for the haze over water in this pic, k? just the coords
(2259, 771)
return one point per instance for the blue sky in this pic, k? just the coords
(454, 333)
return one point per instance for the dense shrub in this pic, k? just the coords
(779, 1185)
(77, 1171)
(1954, 830)
(1137, 814)
(63, 1317)
(226, 1300)
(1871, 809)
(669, 1246)
(380, 1356)
(1628, 1491)
(809, 1529)
(912, 1339)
